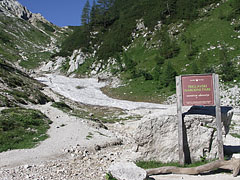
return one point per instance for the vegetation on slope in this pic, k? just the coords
(18, 88)
(22, 128)
(26, 44)
(191, 37)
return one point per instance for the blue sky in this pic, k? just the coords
(59, 12)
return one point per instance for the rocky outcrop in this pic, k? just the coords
(53, 66)
(157, 137)
(77, 58)
(13, 8)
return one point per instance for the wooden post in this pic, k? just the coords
(180, 119)
(218, 117)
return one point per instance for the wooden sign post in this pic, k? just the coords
(198, 90)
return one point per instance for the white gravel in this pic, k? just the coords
(90, 92)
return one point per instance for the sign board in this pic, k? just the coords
(201, 89)
(197, 90)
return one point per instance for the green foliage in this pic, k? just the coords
(235, 135)
(110, 177)
(78, 39)
(20, 87)
(48, 27)
(195, 69)
(85, 67)
(168, 77)
(4, 37)
(22, 128)
(116, 19)
(227, 68)
(169, 48)
(85, 19)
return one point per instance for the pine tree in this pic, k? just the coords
(93, 13)
(86, 14)
(105, 15)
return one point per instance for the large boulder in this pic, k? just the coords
(127, 171)
(157, 136)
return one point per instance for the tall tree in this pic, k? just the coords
(86, 14)
(93, 13)
(105, 15)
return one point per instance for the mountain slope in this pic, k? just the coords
(150, 43)
(27, 38)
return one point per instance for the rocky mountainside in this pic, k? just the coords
(147, 45)
(13, 8)
(27, 39)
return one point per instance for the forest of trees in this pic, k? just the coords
(116, 19)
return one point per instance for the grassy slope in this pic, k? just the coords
(211, 30)
(20, 127)
(21, 39)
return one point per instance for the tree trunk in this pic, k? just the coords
(233, 164)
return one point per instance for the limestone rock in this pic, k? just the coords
(77, 58)
(127, 171)
(157, 137)
(13, 8)
(53, 66)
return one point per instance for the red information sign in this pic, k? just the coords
(197, 90)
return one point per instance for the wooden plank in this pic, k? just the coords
(180, 120)
(218, 117)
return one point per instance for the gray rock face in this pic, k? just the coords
(157, 137)
(13, 8)
(77, 58)
(127, 171)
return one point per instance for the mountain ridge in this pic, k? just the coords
(13, 8)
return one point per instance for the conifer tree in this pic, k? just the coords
(86, 14)
(93, 13)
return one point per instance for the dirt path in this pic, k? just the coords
(66, 131)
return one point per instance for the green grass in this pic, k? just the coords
(89, 136)
(22, 128)
(235, 135)
(139, 90)
(156, 164)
